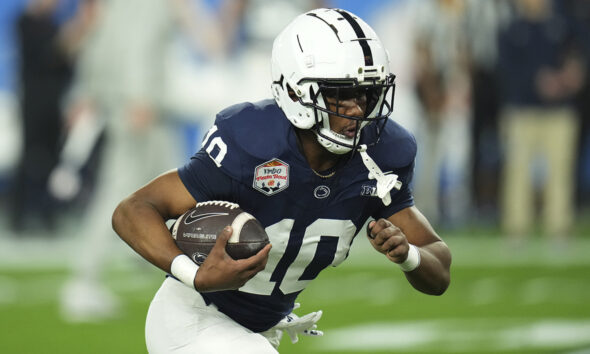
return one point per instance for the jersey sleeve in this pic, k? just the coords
(204, 180)
(403, 198)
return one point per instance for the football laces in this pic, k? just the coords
(220, 203)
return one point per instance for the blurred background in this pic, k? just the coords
(97, 97)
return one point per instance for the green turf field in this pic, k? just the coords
(504, 298)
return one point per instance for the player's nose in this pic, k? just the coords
(354, 108)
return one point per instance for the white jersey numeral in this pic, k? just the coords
(215, 142)
(261, 283)
(295, 261)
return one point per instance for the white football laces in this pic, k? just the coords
(219, 203)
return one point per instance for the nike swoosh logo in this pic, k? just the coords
(191, 218)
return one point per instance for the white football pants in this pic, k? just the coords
(180, 322)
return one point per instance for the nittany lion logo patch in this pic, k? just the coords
(271, 177)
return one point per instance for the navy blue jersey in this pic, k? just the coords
(251, 157)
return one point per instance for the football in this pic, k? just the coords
(195, 231)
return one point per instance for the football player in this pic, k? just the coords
(313, 165)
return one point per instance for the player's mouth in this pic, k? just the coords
(349, 131)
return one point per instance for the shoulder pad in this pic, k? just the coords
(245, 135)
(396, 147)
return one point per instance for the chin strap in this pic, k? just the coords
(385, 182)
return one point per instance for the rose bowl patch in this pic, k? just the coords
(271, 177)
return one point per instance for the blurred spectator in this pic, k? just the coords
(540, 73)
(396, 19)
(10, 137)
(119, 88)
(46, 54)
(250, 27)
(250, 24)
(443, 88)
(239, 71)
(578, 12)
(484, 20)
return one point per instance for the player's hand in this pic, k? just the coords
(388, 239)
(221, 272)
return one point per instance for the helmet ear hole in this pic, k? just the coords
(292, 94)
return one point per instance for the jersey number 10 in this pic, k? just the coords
(297, 257)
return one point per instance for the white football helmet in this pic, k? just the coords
(331, 53)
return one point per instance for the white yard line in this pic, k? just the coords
(458, 335)
(492, 251)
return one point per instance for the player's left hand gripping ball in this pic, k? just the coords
(195, 231)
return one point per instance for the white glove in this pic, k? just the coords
(306, 325)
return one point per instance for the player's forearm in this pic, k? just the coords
(433, 275)
(143, 228)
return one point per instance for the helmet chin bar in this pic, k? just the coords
(332, 145)
(337, 145)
